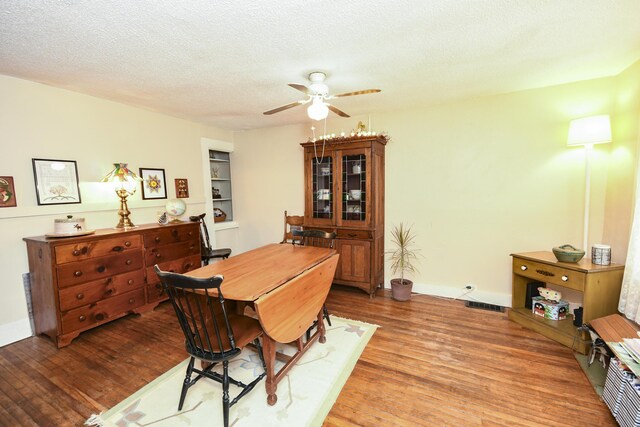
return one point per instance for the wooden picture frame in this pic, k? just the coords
(154, 184)
(7, 192)
(182, 188)
(56, 181)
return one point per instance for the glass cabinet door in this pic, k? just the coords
(354, 186)
(322, 176)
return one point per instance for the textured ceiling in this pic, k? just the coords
(224, 62)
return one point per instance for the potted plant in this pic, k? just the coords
(402, 258)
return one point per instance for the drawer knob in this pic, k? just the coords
(100, 316)
(130, 281)
(80, 296)
(158, 256)
(77, 273)
(352, 234)
(564, 278)
(128, 262)
(157, 239)
(82, 318)
(523, 267)
(174, 232)
(187, 266)
(191, 233)
(127, 243)
(132, 300)
(76, 252)
(117, 249)
(101, 268)
(109, 291)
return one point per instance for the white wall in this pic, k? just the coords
(38, 121)
(478, 179)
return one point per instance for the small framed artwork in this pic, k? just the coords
(153, 184)
(182, 188)
(7, 192)
(56, 181)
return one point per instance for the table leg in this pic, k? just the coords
(269, 350)
(321, 330)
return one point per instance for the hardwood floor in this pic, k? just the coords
(433, 362)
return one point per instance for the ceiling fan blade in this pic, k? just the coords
(337, 111)
(285, 107)
(358, 92)
(302, 88)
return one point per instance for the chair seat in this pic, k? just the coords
(245, 330)
(216, 253)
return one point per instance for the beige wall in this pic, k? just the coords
(478, 179)
(623, 163)
(38, 121)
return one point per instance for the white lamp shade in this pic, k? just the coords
(590, 130)
(318, 110)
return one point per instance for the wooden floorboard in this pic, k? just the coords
(432, 362)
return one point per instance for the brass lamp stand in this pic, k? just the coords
(124, 212)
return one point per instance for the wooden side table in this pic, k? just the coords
(599, 285)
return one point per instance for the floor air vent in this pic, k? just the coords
(484, 306)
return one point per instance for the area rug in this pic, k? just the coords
(305, 395)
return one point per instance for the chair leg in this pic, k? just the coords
(326, 314)
(186, 383)
(260, 354)
(225, 392)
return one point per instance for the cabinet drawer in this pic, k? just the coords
(96, 248)
(354, 234)
(160, 254)
(549, 273)
(181, 265)
(171, 235)
(102, 311)
(155, 292)
(74, 273)
(88, 293)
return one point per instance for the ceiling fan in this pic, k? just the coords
(318, 94)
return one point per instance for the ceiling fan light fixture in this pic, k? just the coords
(318, 110)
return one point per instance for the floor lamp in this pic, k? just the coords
(587, 132)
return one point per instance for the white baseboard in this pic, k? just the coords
(15, 331)
(452, 292)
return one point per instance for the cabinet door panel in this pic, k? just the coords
(355, 260)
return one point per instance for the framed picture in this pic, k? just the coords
(182, 188)
(153, 184)
(56, 181)
(7, 192)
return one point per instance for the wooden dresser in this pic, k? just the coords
(78, 283)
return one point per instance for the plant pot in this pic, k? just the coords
(401, 291)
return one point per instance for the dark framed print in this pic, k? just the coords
(7, 192)
(154, 185)
(182, 188)
(56, 181)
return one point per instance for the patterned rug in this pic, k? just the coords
(305, 395)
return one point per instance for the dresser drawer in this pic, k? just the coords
(88, 293)
(549, 274)
(160, 254)
(171, 235)
(354, 234)
(96, 248)
(176, 266)
(74, 273)
(103, 311)
(155, 292)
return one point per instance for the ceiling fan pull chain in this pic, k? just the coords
(324, 141)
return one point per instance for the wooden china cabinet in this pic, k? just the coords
(344, 193)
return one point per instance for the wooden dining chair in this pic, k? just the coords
(213, 333)
(318, 238)
(291, 223)
(206, 251)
